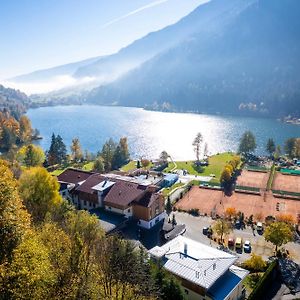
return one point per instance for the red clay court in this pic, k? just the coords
(209, 200)
(290, 183)
(253, 179)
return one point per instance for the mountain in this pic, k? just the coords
(241, 57)
(13, 101)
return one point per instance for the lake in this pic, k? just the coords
(150, 132)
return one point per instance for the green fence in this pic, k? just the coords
(264, 283)
(257, 169)
(290, 172)
(247, 188)
(287, 193)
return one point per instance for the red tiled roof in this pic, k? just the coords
(123, 193)
(91, 181)
(73, 176)
(148, 199)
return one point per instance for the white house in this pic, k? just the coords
(204, 272)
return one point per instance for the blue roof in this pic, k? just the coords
(226, 283)
(170, 177)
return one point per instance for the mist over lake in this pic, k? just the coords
(151, 132)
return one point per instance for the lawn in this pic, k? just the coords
(132, 166)
(170, 189)
(57, 172)
(89, 166)
(216, 165)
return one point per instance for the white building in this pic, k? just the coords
(204, 272)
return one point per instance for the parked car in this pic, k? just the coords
(247, 246)
(259, 227)
(238, 243)
(230, 242)
(205, 230)
(237, 224)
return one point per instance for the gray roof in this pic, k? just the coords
(195, 262)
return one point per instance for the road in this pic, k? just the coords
(194, 227)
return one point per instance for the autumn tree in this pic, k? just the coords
(221, 228)
(230, 212)
(98, 165)
(255, 263)
(286, 218)
(76, 150)
(197, 145)
(39, 190)
(278, 233)
(145, 162)
(270, 147)
(30, 274)
(14, 219)
(31, 155)
(247, 143)
(26, 131)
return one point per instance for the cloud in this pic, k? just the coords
(134, 12)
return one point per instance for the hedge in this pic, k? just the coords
(262, 285)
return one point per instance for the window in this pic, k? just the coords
(186, 291)
(128, 210)
(109, 207)
(94, 205)
(84, 203)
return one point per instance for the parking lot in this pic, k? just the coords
(194, 226)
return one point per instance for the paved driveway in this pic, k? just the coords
(194, 227)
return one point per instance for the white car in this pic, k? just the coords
(247, 246)
(259, 226)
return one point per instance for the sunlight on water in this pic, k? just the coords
(149, 132)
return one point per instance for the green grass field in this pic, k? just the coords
(132, 166)
(216, 165)
(168, 190)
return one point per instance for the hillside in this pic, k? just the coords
(13, 101)
(243, 60)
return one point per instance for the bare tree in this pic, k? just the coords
(197, 144)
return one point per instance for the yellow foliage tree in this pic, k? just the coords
(39, 191)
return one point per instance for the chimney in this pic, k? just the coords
(185, 248)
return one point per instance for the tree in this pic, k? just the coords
(286, 218)
(277, 152)
(173, 220)
(124, 150)
(98, 165)
(169, 206)
(168, 286)
(255, 263)
(222, 227)
(31, 155)
(270, 147)
(14, 219)
(226, 175)
(205, 151)
(39, 190)
(230, 212)
(289, 147)
(76, 150)
(297, 148)
(57, 153)
(197, 144)
(278, 233)
(247, 143)
(107, 154)
(138, 164)
(145, 162)
(26, 131)
(30, 274)
(163, 157)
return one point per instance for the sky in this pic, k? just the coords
(38, 34)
